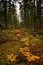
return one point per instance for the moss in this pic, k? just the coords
(35, 41)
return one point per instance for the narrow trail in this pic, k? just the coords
(17, 48)
(25, 52)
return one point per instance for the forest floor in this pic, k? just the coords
(19, 47)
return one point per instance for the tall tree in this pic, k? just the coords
(39, 13)
(5, 11)
(25, 11)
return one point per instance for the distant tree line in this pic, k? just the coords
(31, 14)
(7, 13)
(33, 17)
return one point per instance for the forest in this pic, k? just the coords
(21, 32)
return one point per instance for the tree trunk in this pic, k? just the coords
(39, 14)
(5, 11)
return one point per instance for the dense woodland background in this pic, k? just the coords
(31, 13)
(21, 33)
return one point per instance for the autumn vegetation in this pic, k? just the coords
(21, 42)
(18, 48)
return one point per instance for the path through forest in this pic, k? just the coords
(16, 47)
